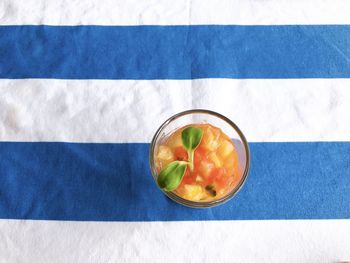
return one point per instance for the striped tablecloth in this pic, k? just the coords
(85, 84)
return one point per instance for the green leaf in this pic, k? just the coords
(191, 137)
(171, 176)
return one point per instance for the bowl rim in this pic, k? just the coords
(194, 204)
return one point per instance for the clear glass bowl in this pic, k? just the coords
(199, 116)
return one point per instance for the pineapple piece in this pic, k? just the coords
(225, 149)
(165, 153)
(215, 159)
(211, 139)
(205, 168)
(193, 192)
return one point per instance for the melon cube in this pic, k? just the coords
(225, 149)
(211, 139)
(165, 153)
(205, 168)
(175, 140)
(215, 159)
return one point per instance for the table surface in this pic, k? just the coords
(86, 84)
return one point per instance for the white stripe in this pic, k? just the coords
(131, 111)
(167, 12)
(210, 241)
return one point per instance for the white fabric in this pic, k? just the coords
(288, 241)
(75, 110)
(179, 12)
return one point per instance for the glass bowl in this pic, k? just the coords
(200, 116)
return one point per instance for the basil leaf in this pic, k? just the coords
(191, 137)
(171, 176)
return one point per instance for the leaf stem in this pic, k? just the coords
(190, 159)
(183, 162)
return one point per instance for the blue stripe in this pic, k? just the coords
(175, 52)
(67, 181)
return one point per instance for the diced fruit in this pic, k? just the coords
(165, 153)
(193, 192)
(180, 153)
(215, 159)
(210, 138)
(229, 163)
(221, 191)
(188, 178)
(199, 178)
(199, 155)
(175, 140)
(218, 172)
(205, 168)
(221, 178)
(225, 148)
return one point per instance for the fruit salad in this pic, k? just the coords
(198, 162)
